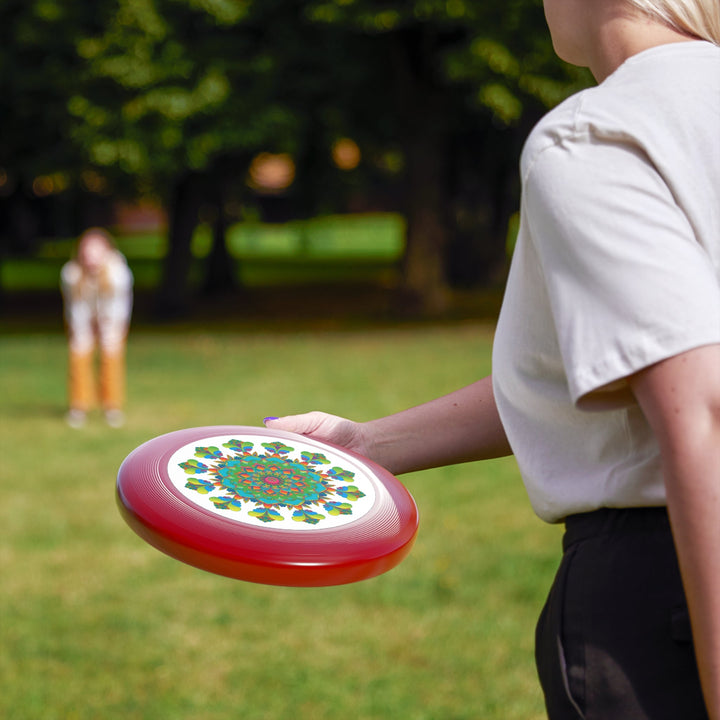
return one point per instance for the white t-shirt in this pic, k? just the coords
(97, 308)
(617, 266)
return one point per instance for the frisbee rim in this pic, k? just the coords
(336, 555)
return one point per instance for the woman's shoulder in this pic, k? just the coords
(651, 100)
(554, 128)
(600, 113)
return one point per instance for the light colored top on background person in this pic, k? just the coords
(98, 304)
(617, 267)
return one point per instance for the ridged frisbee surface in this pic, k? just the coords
(266, 506)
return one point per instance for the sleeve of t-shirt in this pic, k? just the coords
(629, 283)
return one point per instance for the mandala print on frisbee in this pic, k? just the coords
(271, 483)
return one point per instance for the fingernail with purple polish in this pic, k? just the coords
(270, 417)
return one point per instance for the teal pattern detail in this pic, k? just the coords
(264, 482)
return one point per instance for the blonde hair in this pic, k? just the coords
(699, 18)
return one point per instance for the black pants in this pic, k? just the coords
(613, 641)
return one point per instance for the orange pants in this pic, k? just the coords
(84, 392)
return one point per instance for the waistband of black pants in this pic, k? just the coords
(606, 521)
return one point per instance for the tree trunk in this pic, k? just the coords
(424, 277)
(220, 266)
(424, 143)
(175, 296)
(485, 194)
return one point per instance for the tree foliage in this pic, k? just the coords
(468, 77)
(39, 68)
(175, 97)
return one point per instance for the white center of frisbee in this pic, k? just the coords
(281, 484)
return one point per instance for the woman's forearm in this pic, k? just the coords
(460, 427)
(681, 400)
(694, 507)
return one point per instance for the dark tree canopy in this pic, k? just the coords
(174, 98)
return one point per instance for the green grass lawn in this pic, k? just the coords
(95, 624)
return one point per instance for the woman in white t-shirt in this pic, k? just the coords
(97, 294)
(606, 365)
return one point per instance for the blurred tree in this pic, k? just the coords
(176, 97)
(456, 85)
(38, 68)
(440, 91)
(182, 94)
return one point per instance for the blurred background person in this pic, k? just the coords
(97, 295)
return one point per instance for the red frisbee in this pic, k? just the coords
(266, 506)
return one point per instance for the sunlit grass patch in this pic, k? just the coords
(97, 624)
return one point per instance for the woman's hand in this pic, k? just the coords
(324, 427)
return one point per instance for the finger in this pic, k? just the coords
(304, 424)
